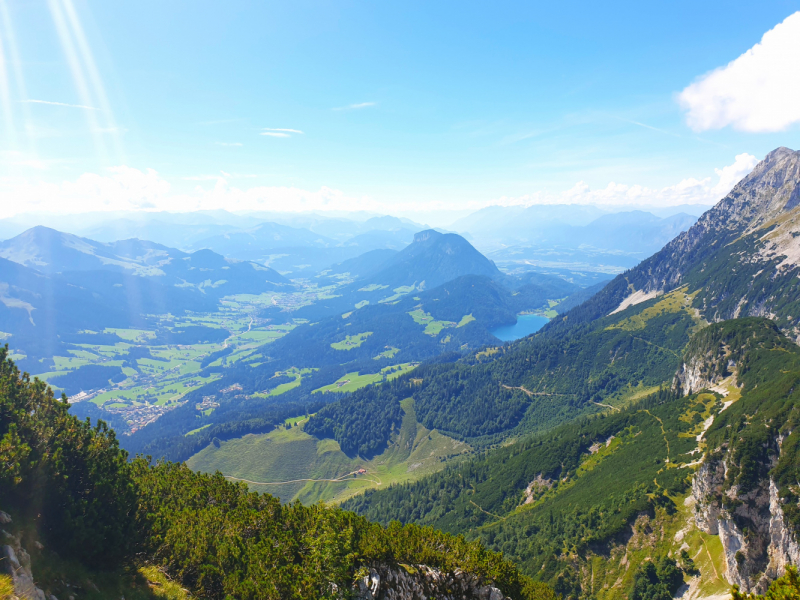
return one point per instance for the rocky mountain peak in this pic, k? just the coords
(424, 236)
(770, 190)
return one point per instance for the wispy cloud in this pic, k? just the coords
(229, 144)
(280, 132)
(60, 104)
(223, 175)
(203, 177)
(356, 106)
(283, 130)
(645, 125)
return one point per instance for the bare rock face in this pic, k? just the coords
(693, 377)
(16, 562)
(706, 491)
(783, 547)
(419, 582)
(18, 566)
(757, 543)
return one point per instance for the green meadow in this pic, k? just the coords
(293, 465)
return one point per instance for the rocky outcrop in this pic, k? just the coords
(536, 488)
(419, 582)
(757, 543)
(706, 491)
(783, 547)
(16, 562)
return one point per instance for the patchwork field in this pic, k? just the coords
(154, 371)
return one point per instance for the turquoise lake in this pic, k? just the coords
(525, 325)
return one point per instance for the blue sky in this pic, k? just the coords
(402, 106)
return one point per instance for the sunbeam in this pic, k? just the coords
(19, 79)
(78, 75)
(94, 76)
(5, 99)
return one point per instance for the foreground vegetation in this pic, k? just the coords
(215, 538)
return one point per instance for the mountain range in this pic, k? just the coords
(642, 441)
(56, 286)
(690, 454)
(642, 444)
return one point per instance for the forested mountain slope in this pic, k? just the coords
(67, 484)
(535, 383)
(581, 505)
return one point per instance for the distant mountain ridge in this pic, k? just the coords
(741, 257)
(50, 251)
(432, 259)
(54, 285)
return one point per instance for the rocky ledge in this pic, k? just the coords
(419, 582)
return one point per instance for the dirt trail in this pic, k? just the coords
(663, 433)
(487, 512)
(340, 479)
(657, 346)
(606, 405)
(530, 393)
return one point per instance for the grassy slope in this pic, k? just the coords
(353, 381)
(291, 454)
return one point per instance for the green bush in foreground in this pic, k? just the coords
(222, 541)
(783, 588)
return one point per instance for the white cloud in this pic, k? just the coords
(757, 92)
(275, 134)
(126, 188)
(59, 104)
(688, 191)
(356, 106)
(283, 130)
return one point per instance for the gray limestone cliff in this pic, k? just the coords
(419, 582)
(757, 542)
